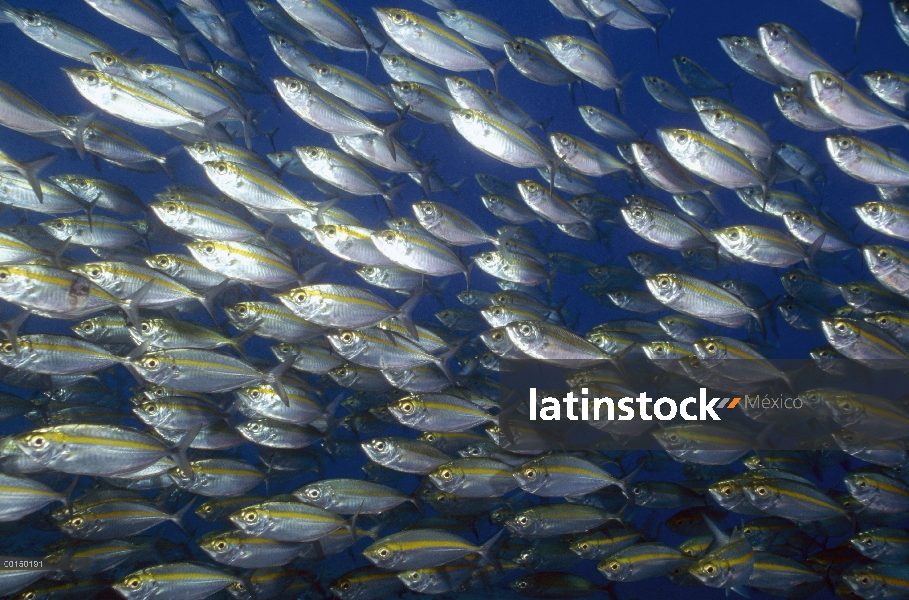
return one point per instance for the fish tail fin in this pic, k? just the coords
(178, 452)
(166, 162)
(177, 518)
(763, 312)
(390, 195)
(30, 171)
(273, 378)
(75, 133)
(625, 482)
(495, 68)
(181, 40)
(130, 306)
(352, 524)
(237, 342)
(214, 119)
(486, 551)
(67, 495)
(405, 311)
(247, 122)
(858, 31)
(388, 132)
(11, 327)
(442, 360)
(812, 252)
(620, 92)
(728, 87)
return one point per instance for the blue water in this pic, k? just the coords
(693, 32)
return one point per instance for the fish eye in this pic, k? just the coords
(733, 235)
(682, 138)
(294, 86)
(7, 348)
(251, 516)
(208, 249)
(637, 213)
(87, 327)
(162, 262)
(828, 81)
(883, 254)
(148, 72)
(664, 282)
(397, 17)
(91, 80)
(414, 575)
(726, 491)
(31, 20)
(151, 363)
(868, 541)
(614, 566)
(407, 407)
(221, 169)
(37, 442)
(673, 437)
(718, 116)
(874, 209)
(522, 520)
(379, 445)
(383, 553)
(108, 60)
(146, 327)
(4, 275)
(331, 231)
(864, 580)
(255, 394)
(709, 569)
(323, 71)
(220, 546)
(151, 408)
(761, 491)
(711, 348)
(389, 237)
(659, 349)
(841, 327)
(77, 522)
(446, 474)
(347, 337)
(133, 583)
(254, 427)
(344, 586)
(314, 493)
(171, 209)
(530, 473)
(525, 329)
(844, 144)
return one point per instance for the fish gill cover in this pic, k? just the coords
(498, 299)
